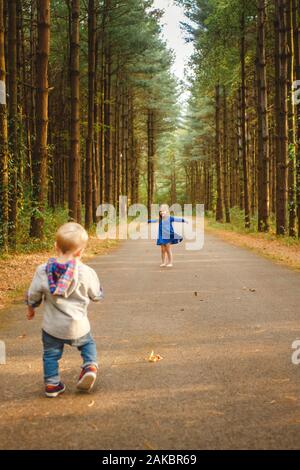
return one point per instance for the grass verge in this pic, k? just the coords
(17, 268)
(281, 249)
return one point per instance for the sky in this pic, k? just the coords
(173, 34)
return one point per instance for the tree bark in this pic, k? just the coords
(225, 157)
(263, 125)
(13, 122)
(243, 122)
(74, 157)
(40, 154)
(296, 34)
(281, 116)
(3, 140)
(91, 102)
(218, 158)
(291, 123)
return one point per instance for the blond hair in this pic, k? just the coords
(164, 207)
(70, 237)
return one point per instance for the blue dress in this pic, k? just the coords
(166, 232)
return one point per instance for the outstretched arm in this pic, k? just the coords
(152, 221)
(179, 219)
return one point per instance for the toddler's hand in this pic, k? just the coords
(30, 313)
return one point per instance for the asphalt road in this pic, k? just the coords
(223, 319)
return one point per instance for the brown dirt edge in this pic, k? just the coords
(273, 249)
(16, 270)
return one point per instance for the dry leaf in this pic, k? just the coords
(149, 446)
(154, 357)
(91, 404)
(291, 398)
(252, 290)
(215, 413)
(195, 293)
(22, 336)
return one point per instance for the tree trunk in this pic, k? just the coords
(296, 10)
(74, 157)
(150, 162)
(291, 123)
(262, 119)
(13, 122)
(225, 157)
(281, 116)
(219, 208)
(40, 154)
(3, 141)
(107, 130)
(243, 122)
(91, 102)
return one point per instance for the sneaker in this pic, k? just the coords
(163, 265)
(87, 378)
(53, 391)
(170, 265)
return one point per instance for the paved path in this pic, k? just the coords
(226, 380)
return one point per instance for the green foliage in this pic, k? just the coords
(53, 219)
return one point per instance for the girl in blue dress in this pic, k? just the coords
(166, 235)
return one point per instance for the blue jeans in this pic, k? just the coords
(53, 350)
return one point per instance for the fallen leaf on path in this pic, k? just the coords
(280, 380)
(182, 309)
(22, 336)
(154, 357)
(195, 293)
(291, 398)
(91, 404)
(215, 413)
(149, 446)
(252, 290)
(272, 402)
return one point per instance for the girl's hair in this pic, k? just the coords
(163, 207)
(70, 237)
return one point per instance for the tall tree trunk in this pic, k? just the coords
(243, 121)
(291, 123)
(296, 34)
(281, 116)
(107, 130)
(219, 208)
(91, 103)
(262, 119)
(3, 141)
(13, 121)
(74, 157)
(40, 154)
(150, 162)
(225, 157)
